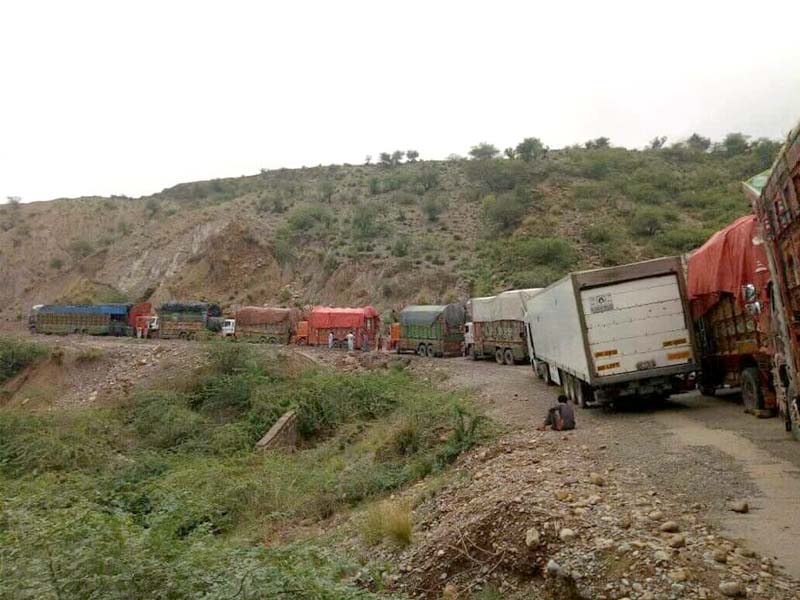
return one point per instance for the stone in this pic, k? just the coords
(677, 541)
(597, 479)
(679, 575)
(532, 538)
(720, 555)
(732, 589)
(656, 515)
(625, 522)
(670, 527)
(740, 506)
(661, 556)
(746, 552)
(553, 568)
(561, 495)
(566, 534)
(594, 499)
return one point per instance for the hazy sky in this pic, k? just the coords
(130, 97)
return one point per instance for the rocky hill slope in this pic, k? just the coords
(389, 234)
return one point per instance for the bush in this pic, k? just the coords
(305, 219)
(15, 355)
(56, 263)
(647, 222)
(433, 207)
(401, 246)
(164, 420)
(365, 222)
(388, 520)
(81, 248)
(505, 211)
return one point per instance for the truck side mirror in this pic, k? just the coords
(749, 292)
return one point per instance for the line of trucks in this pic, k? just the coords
(726, 315)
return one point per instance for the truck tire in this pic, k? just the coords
(752, 395)
(421, 350)
(498, 356)
(302, 341)
(430, 352)
(508, 355)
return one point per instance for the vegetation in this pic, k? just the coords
(163, 496)
(15, 355)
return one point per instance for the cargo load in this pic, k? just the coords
(615, 333)
(733, 348)
(187, 320)
(432, 330)
(267, 324)
(363, 322)
(90, 319)
(497, 327)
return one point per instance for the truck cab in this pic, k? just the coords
(229, 328)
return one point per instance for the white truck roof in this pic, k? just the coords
(507, 306)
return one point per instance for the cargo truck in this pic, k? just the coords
(432, 330)
(266, 324)
(188, 320)
(775, 196)
(363, 322)
(90, 319)
(607, 335)
(733, 343)
(497, 327)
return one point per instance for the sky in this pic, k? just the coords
(101, 98)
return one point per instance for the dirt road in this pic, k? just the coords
(703, 449)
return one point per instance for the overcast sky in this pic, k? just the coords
(100, 98)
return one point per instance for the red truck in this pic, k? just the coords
(775, 196)
(363, 322)
(734, 344)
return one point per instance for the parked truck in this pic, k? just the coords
(497, 327)
(91, 319)
(266, 324)
(432, 330)
(733, 343)
(188, 320)
(611, 334)
(363, 322)
(776, 201)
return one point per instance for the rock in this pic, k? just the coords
(679, 575)
(625, 522)
(604, 543)
(661, 556)
(595, 499)
(553, 568)
(440, 553)
(670, 527)
(597, 479)
(566, 534)
(656, 515)
(532, 537)
(677, 541)
(720, 555)
(561, 495)
(746, 552)
(740, 506)
(449, 592)
(732, 589)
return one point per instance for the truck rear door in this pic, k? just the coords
(636, 325)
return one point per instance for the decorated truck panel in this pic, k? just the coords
(91, 319)
(362, 322)
(188, 320)
(432, 330)
(497, 329)
(733, 346)
(776, 200)
(268, 324)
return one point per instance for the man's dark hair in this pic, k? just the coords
(563, 399)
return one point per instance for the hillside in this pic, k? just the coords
(418, 231)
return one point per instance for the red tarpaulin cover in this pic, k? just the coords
(327, 317)
(726, 262)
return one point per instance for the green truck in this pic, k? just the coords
(432, 330)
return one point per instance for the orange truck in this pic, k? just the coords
(363, 322)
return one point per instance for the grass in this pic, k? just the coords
(89, 355)
(163, 496)
(16, 354)
(388, 520)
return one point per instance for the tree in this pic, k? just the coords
(765, 151)
(734, 144)
(598, 143)
(530, 148)
(397, 157)
(412, 155)
(657, 143)
(698, 142)
(504, 211)
(14, 201)
(151, 207)
(483, 151)
(510, 153)
(368, 159)
(385, 159)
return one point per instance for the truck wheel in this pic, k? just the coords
(302, 342)
(708, 389)
(272, 340)
(509, 357)
(752, 396)
(498, 356)
(421, 351)
(430, 351)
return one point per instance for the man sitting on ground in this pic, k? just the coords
(560, 417)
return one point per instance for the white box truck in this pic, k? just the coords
(615, 333)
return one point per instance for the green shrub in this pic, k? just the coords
(433, 207)
(56, 263)
(306, 219)
(164, 420)
(16, 354)
(81, 248)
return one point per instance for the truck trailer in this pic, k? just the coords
(432, 330)
(188, 320)
(265, 324)
(363, 322)
(611, 334)
(497, 327)
(775, 196)
(732, 342)
(90, 319)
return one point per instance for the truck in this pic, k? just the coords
(363, 322)
(90, 319)
(188, 320)
(775, 196)
(733, 343)
(497, 327)
(266, 324)
(613, 334)
(432, 330)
